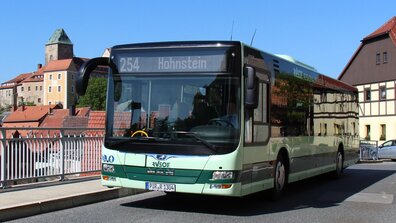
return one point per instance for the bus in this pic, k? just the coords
(220, 118)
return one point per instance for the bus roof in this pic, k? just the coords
(178, 44)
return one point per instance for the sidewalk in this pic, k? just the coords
(37, 199)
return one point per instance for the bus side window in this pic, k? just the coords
(257, 126)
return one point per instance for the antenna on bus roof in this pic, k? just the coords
(232, 29)
(254, 34)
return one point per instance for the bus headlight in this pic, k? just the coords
(108, 168)
(222, 175)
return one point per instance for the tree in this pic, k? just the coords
(95, 96)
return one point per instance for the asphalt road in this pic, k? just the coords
(365, 193)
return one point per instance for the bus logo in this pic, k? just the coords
(161, 157)
(108, 159)
(161, 164)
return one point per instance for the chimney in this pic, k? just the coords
(39, 66)
(14, 99)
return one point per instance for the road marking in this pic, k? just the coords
(362, 197)
(371, 198)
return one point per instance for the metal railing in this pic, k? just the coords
(33, 154)
(368, 150)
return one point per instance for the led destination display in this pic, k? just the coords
(172, 61)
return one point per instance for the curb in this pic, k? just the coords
(40, 207)
(375, 161)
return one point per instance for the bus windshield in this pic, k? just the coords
(174, 112)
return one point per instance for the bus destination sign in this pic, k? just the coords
(128, 63)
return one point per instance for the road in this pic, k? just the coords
(365, 193)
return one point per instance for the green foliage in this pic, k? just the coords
(27, 103)
(95, 96)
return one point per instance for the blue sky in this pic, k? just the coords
(323, 34)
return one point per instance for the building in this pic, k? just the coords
(8, 90)
(58, 47)
(60, 81)
(372, 69)
(52, 83)
(31, 88)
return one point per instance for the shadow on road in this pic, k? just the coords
(317, 192)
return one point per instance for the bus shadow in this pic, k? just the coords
(317, 192)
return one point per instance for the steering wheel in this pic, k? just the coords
(141, 132)
(220, 122)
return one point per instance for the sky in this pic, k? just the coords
(322, 34)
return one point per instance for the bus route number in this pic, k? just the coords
(129, 64)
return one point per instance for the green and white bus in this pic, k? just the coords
(220, 118)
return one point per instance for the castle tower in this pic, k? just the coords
(58, 47)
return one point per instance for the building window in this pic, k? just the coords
(21, 88)
(36, 88)
(72, 89)
(59, 76)
(50, 77)
(49, 102)
(49, 89)
(385, 57)
(367, 94)
(383, 132)
(38, 100)
(367, 132)
(28, 88)
(41, 88)
(378, 58)
(382, 93)
(72, 76)
(59, 88)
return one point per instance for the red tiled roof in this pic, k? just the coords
(55, 119)
(29, 113)
(55, 65)
(19, 78)
(34, 78)
(388, 28)
(97, 119)
(330, 83)
(83, 111)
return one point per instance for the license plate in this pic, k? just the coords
(160, 187)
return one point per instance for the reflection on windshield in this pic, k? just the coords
(203, 107)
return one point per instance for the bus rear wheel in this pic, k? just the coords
(339, 164)
(280, 177)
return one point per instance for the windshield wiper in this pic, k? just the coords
(198, 139)
(136, 139)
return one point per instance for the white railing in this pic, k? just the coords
(39, 153)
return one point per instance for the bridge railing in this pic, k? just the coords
(32, 154)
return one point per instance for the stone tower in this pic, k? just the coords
(58, 47)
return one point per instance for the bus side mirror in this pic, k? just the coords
(251, 93)
(85, 71)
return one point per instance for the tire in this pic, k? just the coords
(339, 165)
(280, 177)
